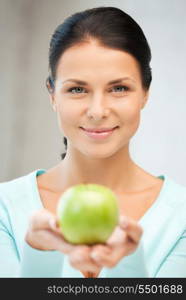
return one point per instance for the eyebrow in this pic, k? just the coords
(110, 82)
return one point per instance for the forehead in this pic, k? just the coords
(92, 59)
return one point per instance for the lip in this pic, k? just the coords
(99, 134)
(99, 130)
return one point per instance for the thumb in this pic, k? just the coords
(43, 219)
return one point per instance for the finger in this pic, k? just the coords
(113, 256)
(101, 254)
(131, 227)
(63, 246)
(54, 223)
(105, 260)
(81, 260)
(118, 237)
(46, 239)
(42, 219)
(122, 242)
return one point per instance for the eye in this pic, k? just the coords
(76, 90)
(121, 88)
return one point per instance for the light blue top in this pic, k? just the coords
(161, 253)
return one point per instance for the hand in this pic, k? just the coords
(44, 234)
(123, 241)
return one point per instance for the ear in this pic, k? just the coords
(50, 88)
(52, 102)
(145, 98)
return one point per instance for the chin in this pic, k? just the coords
(99, 155)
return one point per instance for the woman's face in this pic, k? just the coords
(96, 102)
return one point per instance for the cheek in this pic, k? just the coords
(68, 115)
(131, 112)
(131, 116)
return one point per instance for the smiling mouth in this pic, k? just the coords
(99, 135)
(99, 130)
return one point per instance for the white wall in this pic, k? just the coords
(29, 135)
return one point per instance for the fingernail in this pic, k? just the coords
(124, 222)
(94, 255)
(52, 223)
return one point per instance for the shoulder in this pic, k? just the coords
(15, 192)
(175, 193)
(15, 186)
(174, 204)
(17, 200)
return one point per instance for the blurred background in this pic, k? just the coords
(29, 134)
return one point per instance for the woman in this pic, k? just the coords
(99, 82)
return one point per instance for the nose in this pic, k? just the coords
(98, 108)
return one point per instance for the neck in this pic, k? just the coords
(116, 172)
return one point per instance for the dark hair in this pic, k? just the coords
(65, 143)
(112, 28)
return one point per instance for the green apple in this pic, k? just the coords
(87, 213)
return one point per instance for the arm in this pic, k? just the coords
(42, 234)
(175, 263)
(9, 258)
(31, 262)
(39, 263)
